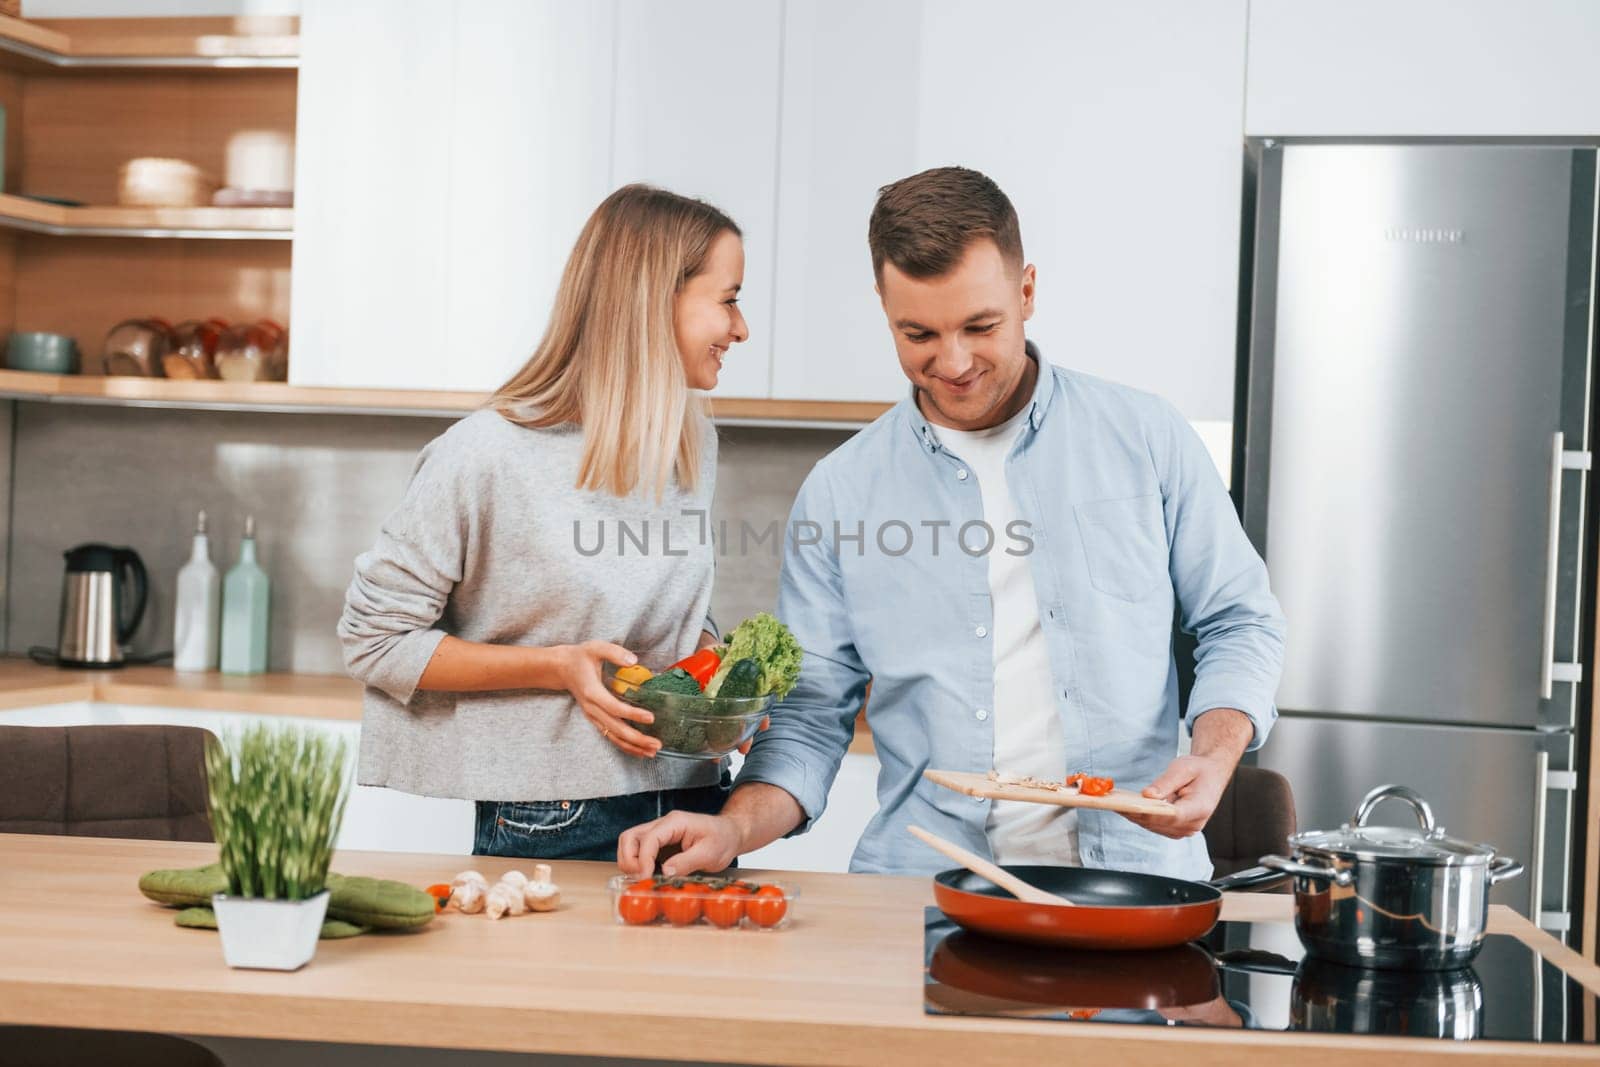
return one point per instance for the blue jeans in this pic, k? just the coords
(581, 829)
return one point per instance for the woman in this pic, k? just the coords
(559, 529)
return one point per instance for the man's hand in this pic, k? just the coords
(1195, 783)
(699, 843)
(755, 814)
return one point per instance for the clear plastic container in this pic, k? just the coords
(700, 900)
(693, 727)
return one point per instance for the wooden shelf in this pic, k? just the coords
(248, 43)
(224, 223)
(278, 397)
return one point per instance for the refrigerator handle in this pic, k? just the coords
(1541, 787)
(1549, 670)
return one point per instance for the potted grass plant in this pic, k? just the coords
(277, 797)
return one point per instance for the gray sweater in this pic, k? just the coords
(493, 543)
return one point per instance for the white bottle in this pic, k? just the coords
(194, 641)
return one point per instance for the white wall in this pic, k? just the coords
(1424, 68)
(94, 9)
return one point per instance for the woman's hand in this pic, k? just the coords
(579, 668)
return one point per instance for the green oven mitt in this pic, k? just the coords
(206, 919)
(379, 903)
(185, 889)
(371, 902)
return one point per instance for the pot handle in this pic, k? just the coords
(1249, 878)
(1503, 867)
(1399, 792)
(1308, 870)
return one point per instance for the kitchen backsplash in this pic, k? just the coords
(319, 485)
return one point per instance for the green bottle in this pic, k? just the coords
(246, 595)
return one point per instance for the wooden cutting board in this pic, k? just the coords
(979, 785)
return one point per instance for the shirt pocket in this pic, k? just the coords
(1125, 543)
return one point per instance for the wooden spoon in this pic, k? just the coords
(984, 869)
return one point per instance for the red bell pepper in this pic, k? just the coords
(701, 666)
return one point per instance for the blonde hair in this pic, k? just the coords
(609, 357)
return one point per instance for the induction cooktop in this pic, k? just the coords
(1255, 976)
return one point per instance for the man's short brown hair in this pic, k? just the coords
(923, 224)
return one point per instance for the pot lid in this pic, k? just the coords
(1433, 848)
(1426, 843)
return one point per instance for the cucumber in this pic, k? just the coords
(742, 681)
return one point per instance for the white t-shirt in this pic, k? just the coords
(1027, 731)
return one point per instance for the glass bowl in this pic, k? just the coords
(693, 727)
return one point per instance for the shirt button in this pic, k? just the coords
(982, 714)
(980, 800)
(961, 475)
(982, 631)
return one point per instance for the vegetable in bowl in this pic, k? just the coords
(711, 702)
(769, 643)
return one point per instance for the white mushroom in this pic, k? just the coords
(468, 876)
(469, 897)
(515, 879)
(541, 894)
(502, 899)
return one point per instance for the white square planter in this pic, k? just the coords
(274, 935)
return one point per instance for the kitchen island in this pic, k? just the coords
(843, 985)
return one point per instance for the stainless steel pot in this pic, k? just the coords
(1384, 896)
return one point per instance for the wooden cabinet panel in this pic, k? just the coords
(77, 130)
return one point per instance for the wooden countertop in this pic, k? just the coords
(25, 684)
(843, 985)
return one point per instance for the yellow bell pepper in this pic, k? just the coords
(628, 678)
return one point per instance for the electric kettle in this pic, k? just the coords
(102, 600)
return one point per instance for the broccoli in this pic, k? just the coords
(764, 639)
(677, 681)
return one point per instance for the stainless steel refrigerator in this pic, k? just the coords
(1411, 458)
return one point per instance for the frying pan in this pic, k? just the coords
(1111, 909)
(1020, 977)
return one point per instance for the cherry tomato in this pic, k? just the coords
(726, 908)
(440, 894)
(684, 905)
(1096, 787)
(768, 906)
(638, 904)
(1075, 779)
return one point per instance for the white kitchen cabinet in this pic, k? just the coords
(384, 820)
(387, 820)
(372, 236)
(849, 125)
(530, 151)
(697, 113)
(1424, 68)
(448, 155)
(1114, 128)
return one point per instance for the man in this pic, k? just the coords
(1001, 554)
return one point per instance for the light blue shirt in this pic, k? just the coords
(885, 578)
